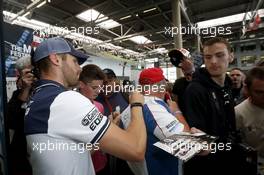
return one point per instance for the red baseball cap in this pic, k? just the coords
(151, 76)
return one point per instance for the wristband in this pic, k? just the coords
(136, 105)
(177, 112)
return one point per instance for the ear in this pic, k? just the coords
(231, 57)
(54, 59)
(245, 90)
(81, 85)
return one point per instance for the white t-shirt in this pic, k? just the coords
(61, 127)
(160, 123)
(250, 121)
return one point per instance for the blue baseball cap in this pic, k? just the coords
(56, 46)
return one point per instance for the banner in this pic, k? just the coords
(17, 43)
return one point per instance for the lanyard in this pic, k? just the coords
(108, 105)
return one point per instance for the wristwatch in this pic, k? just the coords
(136, 104)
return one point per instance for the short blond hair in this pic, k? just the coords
(22, 63)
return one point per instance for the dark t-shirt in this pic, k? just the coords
(117, 166)
(179, 88)
(238, 95)
(18, 146)
(110, 103)
(210, 108)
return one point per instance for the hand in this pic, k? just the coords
(173, 106)
(27, 78)
(195, 130)
(25, 84)
(136, 97)
(203, 152)
(187, 66)
(115, 117)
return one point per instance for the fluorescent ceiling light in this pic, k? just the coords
(226, 20)
(160, 32)
(210, 36)
(252, 36)
(41, 4)
(90, 15)
(125, 17)
(101, 19)
(152, 60)
(39, 23)
(221, 21)
(26, 14)
(108, 24)
(161, 50)
(140, 39)
(148, 10)
(6, 13)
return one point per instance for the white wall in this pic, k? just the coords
(115, 65)
(135, 76)
(170, 73)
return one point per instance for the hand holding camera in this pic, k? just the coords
(25, 83)
(27, 78)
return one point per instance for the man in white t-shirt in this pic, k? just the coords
(61, 125)
(162, 120)
(250, 114)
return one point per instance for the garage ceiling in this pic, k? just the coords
(140, 17)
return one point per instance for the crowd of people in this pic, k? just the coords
(62, 121)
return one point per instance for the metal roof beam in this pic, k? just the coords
(140, 19)
(28, 8)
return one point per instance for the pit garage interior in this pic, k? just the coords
(140, 33)
(142, 30)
